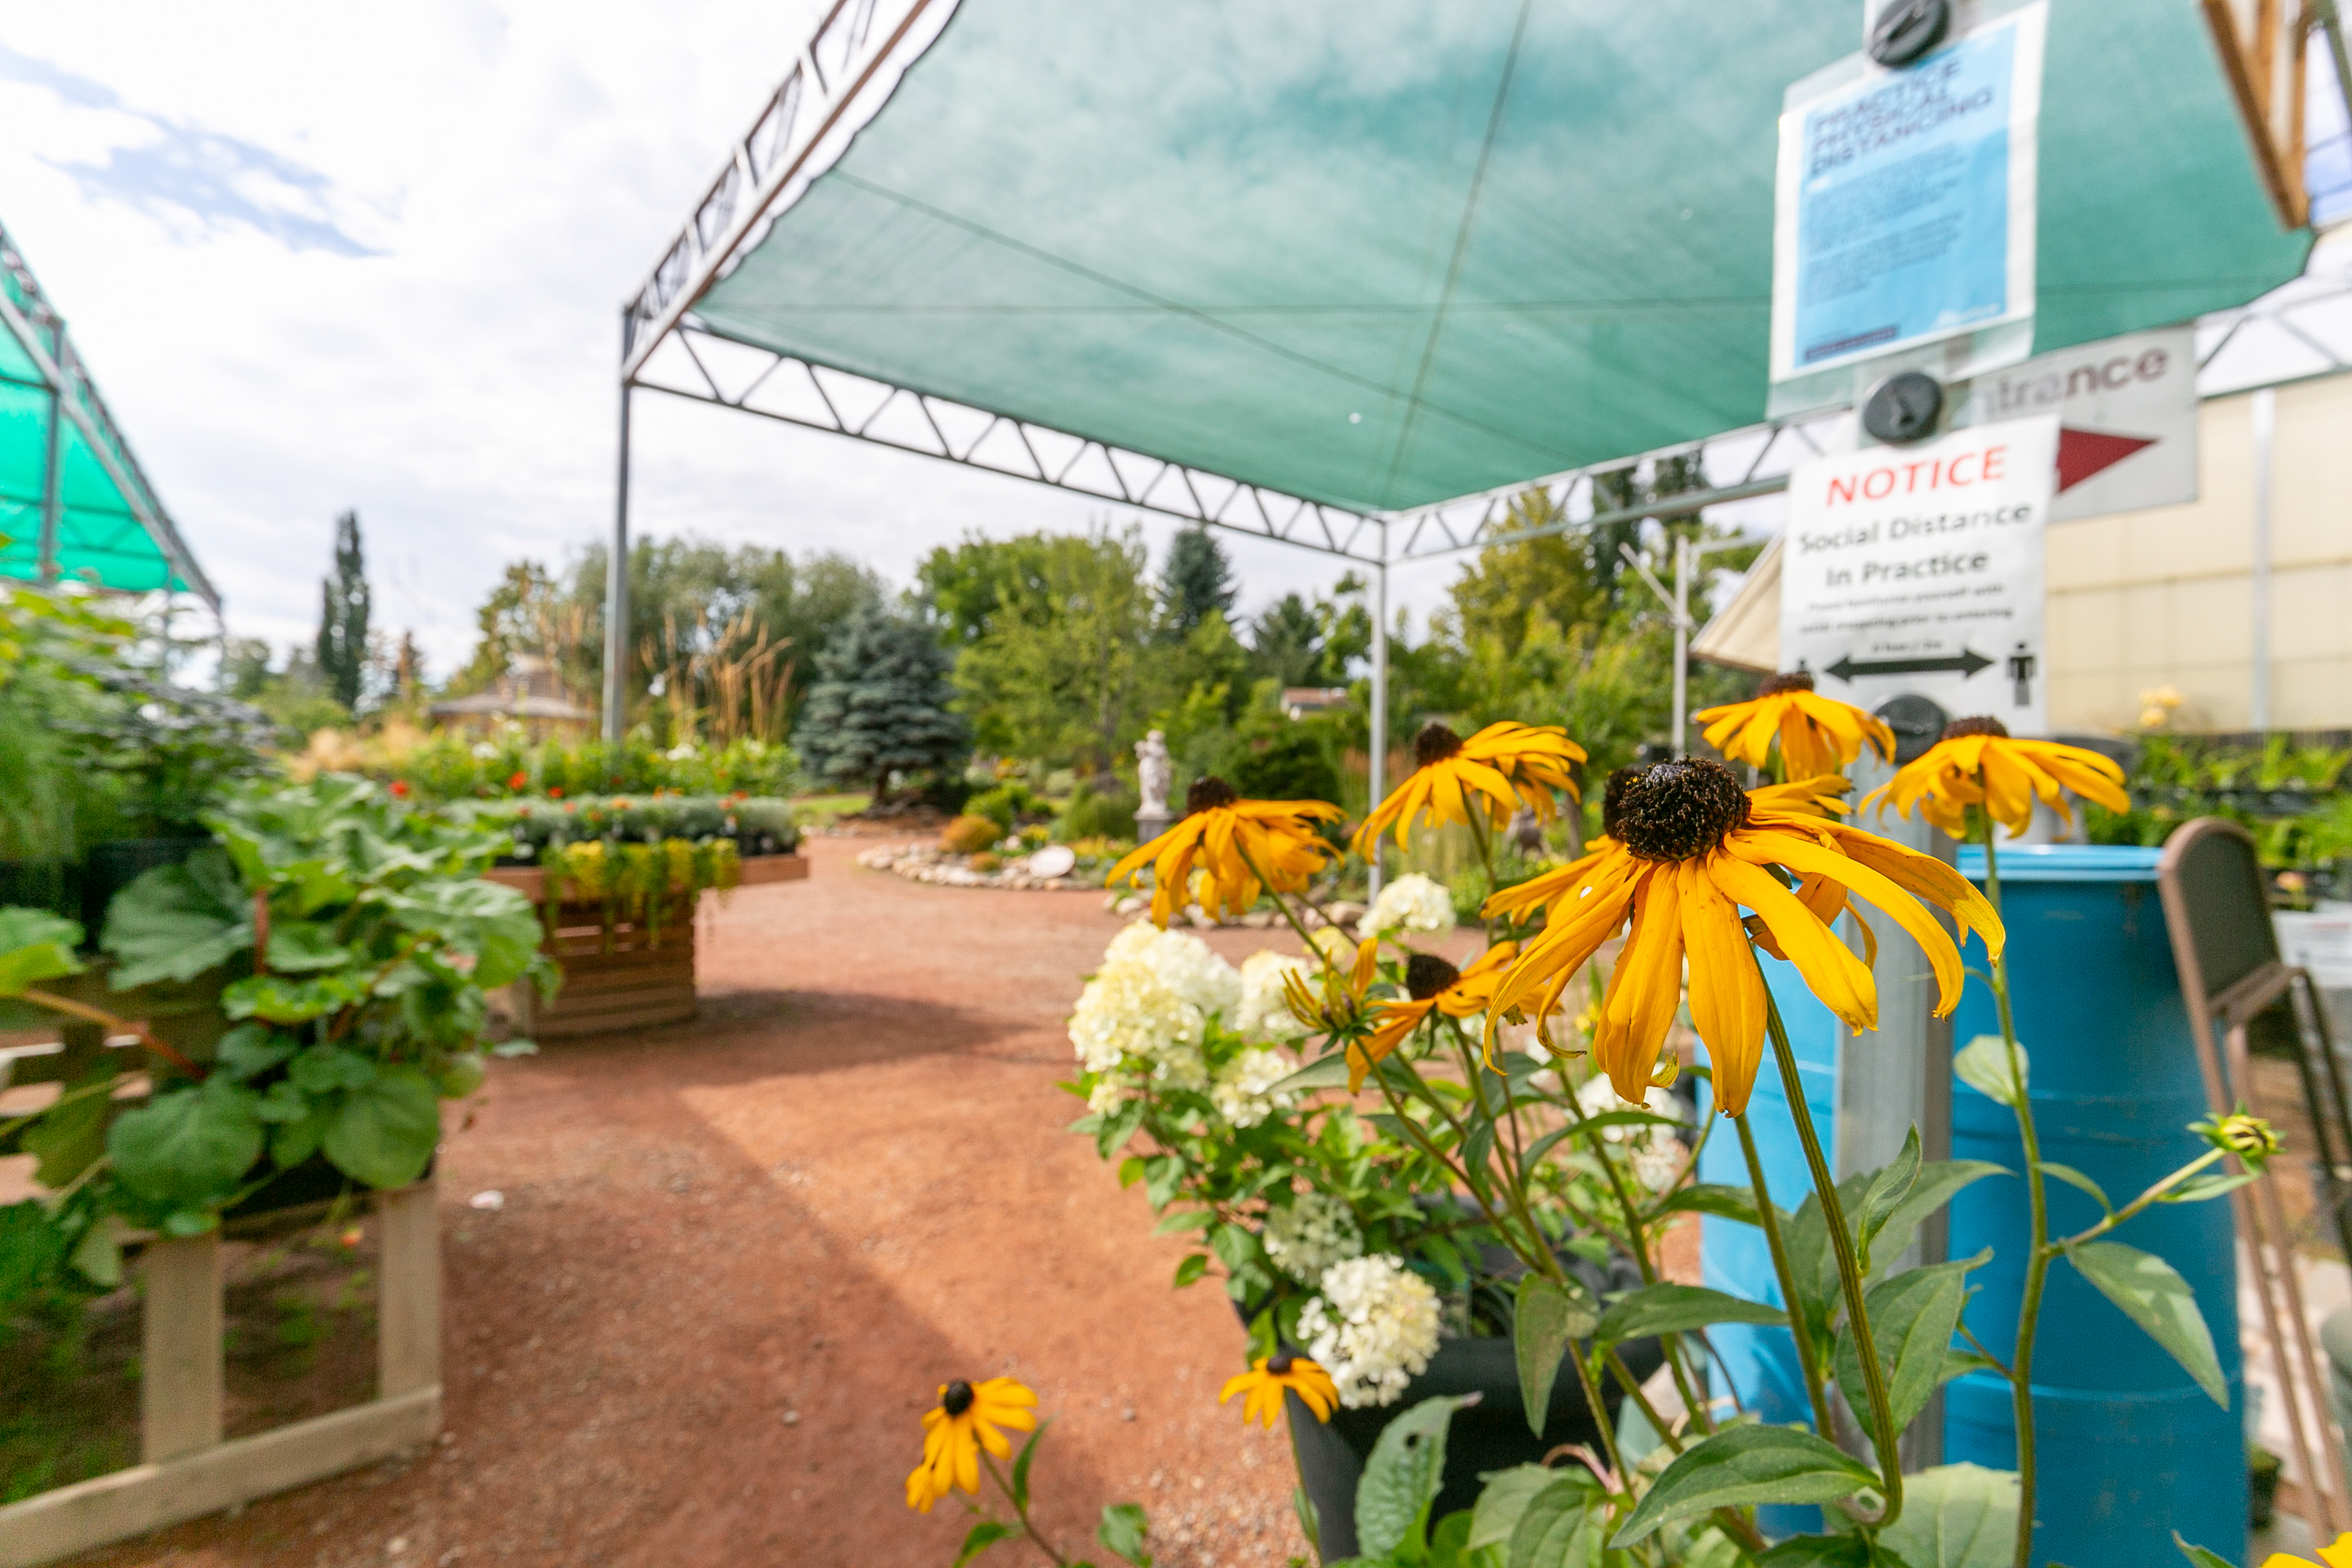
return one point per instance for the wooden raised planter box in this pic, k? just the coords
(186, 1470)
(623, 976)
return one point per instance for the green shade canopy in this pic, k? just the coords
(1377, 254)
(111, 531)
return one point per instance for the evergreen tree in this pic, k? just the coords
(1197, 581)
(342, 647)
(879, 705)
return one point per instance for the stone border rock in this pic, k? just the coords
(928, 863)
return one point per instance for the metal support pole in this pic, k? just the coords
(53, 473)
(1682, 646)
(2265, 423)
(1378, 765)
(616, 597)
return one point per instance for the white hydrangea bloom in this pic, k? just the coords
(1263, 1016)
(1314, 1231)
(1242, 1087)
(1127, 1010)
(1412, 902)
(1183, 962)
(1655, 1154)
(1105, 1097)
(1373, 1328)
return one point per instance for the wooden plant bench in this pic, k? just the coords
(186, 1470)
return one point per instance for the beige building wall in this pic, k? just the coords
(2145, 599)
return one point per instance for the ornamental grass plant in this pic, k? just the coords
(1522, 1103)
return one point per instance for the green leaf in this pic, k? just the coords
(982, 1536)
(2208, 1184)
(1117, 1129)
(1548, 1318)
(177, 921)
(1670, 1308)
(497, 926)
(68, 1140)
(99, 1253)
(1402, 1476)
(35, 945)
(291, 1143)
(251, 1049)
(1912, 1319)
(1324, 1072)
(2076, 1179)
(1122, 1531)
(190, 1147)
(279, 999)
(1021, 1465)
(1180, 1219)
(385, 1134)
(1956, 1516)
(1558, 1521)
(2200, 1555)
(1716, 1200)
(2151, 1294)
(1194, 1266)
(323, 1069)
(1828, 1551)
(1744, 1465)
(1983, 1065)
(1235, 1247)
(1503, 1498)
(1628, 1117)
(1888, 1187)
(1310, 1523)
(283, 1101)
(1448, 1543)
(304, 947)
(1939, 1180)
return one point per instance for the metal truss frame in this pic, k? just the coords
(37, 328)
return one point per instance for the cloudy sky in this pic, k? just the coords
(328, 256)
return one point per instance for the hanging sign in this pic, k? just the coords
(2126, 412)
(1918, 569)
(1904, 202)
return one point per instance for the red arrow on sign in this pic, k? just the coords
(2081, 453)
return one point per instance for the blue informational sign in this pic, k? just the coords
(1906, 202)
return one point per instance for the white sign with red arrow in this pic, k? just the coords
(2126, 412)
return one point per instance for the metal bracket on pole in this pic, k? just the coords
(1377, 765)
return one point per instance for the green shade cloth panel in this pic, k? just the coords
(1218, 231)
(100, 539)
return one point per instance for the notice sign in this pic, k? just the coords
(1918, 569)
(1904, 202)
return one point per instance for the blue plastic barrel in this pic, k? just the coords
(2130, 1448)
(1761, 1363)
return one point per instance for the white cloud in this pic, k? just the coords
(319, 258)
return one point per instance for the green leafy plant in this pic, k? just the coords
(351, 945)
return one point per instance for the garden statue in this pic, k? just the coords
(1155, 773)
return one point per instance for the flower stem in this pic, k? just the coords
(1884, 1433)
(1021, 1511)
(2037, 1260)
(1769, 1218)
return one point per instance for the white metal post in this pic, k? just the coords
(616, 598)
(1378, 763)
(1682, 644)
(2266, 420)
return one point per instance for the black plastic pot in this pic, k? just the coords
(109, 867)
(51, 885)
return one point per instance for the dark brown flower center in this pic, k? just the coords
(958, 1398)
(1959, 727)
(1680, 810)
(1207, 793)
(1426, 975)
(1613, 799)
(1279, 1364)
(1434, 744)
(1795, 681)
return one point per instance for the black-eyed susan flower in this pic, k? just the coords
(965, 1421)
(1269, 1377)
(2241, 1134)
(1432, 985)
(1333, 999)
(1817, 735)
(1232, 842)
(1978, 763)
(2336, 1555)
(1692, 850)
(1509, 764)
